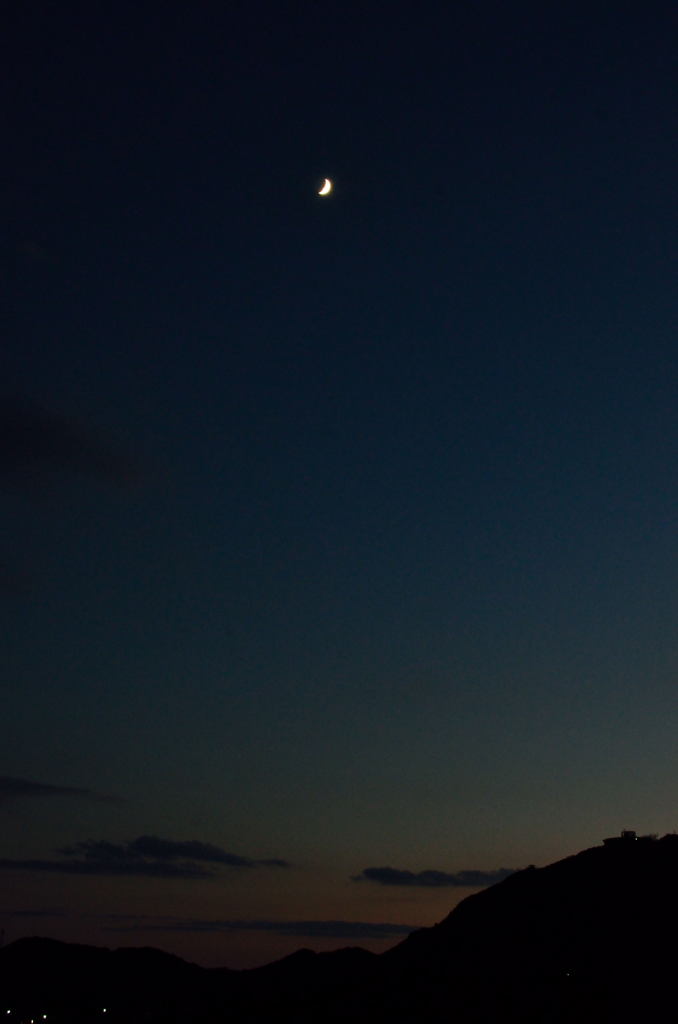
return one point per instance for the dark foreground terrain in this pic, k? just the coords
(589, 938)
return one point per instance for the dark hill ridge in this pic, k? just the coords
(621, 889)
(42, 973)
(590, 937)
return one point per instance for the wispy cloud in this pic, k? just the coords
(146, 856)
(18, 789)
(432, 879)
(32, 438)
(141, 923)
(40, 912)
(305, 929)
(39, 450)
(146, 869)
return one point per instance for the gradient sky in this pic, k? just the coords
(336, 534)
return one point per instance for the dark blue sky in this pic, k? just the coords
(338, 531)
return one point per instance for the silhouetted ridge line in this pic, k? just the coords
(582, 939)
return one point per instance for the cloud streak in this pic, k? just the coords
(34, 913)
(146, 857)
(33, 439)
(145, 869)
(18, 789)
(432, 879)
(153, 848)
(302, 929)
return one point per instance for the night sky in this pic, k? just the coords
(337, 535)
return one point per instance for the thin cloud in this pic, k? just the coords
(301, 929)
(145, 869)
(432, 879)
(146, 856)
(18, 789)
(163, 850)
(34, 439)
(32, 251)
(34, 913)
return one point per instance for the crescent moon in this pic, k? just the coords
(326, 189)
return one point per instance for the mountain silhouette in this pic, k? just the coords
(589, 938)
